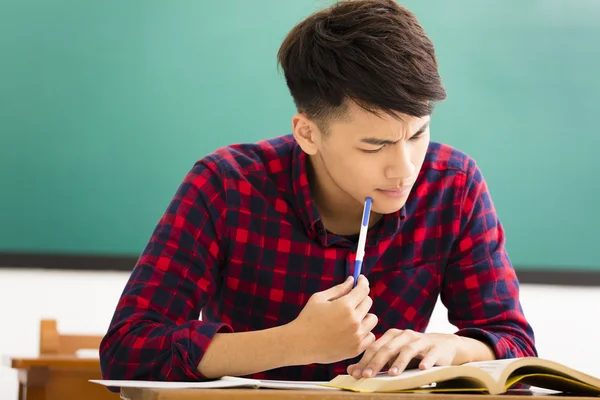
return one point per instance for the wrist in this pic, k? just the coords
(471, 350)
(293, 345)
(462, 351)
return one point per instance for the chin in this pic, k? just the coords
(387, 207)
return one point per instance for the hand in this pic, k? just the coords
(397, 348)
(335, 324)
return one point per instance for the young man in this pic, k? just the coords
(260, 237)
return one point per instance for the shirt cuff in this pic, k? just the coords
(190, 345)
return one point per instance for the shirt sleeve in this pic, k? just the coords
(480, 289)
(155, 333)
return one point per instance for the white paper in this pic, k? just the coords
(87, 353)
(225, 382)
(169, 385)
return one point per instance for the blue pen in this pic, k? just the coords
(362, 238)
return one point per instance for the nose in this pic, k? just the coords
(400, 166)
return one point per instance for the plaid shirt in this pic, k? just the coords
(243, 243)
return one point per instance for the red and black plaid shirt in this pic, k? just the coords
(242, 242)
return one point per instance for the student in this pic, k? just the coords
(261, 238)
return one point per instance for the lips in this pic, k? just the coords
(396, 192)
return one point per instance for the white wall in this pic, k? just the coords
(565, 319)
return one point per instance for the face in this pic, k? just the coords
(366, 155)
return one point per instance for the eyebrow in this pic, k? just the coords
(381, 142)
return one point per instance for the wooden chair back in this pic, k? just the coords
(54, 342)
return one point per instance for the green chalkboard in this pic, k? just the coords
(106, 105)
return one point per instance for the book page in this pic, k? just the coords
(281, 384)
(494, 367)
(268, 384)
(406, 374)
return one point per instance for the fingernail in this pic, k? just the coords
(357, 373)
(368, 372)
(394, 371)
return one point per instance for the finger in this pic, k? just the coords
(350, 368)
(390, 351)
(368, 323)
(360, 292)
(431, 358)
(363, 308)
(408, 352)
(338, 291)
(372, 350)
(367, 341)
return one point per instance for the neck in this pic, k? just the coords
(340, 213)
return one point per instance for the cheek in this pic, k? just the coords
(354, 171)
(363, 173)
(419, 152)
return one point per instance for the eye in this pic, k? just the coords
(416, 137)
(372, 151)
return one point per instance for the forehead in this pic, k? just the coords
(361, 122)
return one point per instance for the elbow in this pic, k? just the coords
(120, 355)
(143, 352)
(111, 367)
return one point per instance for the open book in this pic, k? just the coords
(493, 377)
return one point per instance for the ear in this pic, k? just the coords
(306, 133)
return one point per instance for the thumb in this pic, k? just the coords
(340, 290)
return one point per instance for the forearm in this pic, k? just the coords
(244, 353)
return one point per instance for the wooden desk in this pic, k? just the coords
(57, 377)
(272, 394)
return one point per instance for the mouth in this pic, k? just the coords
(396, 192)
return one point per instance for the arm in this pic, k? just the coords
(334, 325)
(480, 289)
(244, 353)
(155, 333)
